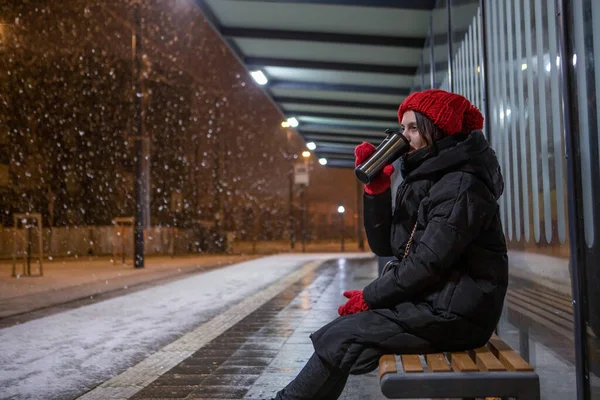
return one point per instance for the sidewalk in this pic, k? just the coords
(256, 347)
(64, 355)
(70, 280)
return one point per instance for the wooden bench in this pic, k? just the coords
(494, 370)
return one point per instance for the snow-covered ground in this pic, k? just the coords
(64, 355)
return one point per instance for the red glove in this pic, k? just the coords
(355, 304)
(381, 182)
(350, 293)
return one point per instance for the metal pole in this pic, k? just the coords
(291, 191)
(524, 342)
(303, 219)
(41, 245)
(255, 225)
(342, 231)
(218, 175)
(122, 244)
(139, 144)
(575, 201)
(14, 258)
(28, 227)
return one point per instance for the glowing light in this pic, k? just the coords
(311, 146)
(323, 161)
(259, 77)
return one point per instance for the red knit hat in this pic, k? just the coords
(450, 112)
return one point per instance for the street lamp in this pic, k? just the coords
(304, 206)
(341, 210)
(142, 144)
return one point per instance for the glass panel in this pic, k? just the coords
(525, 131)
(521, 67)
(478, 64)
(462, 53)
(417, 84)
(555, 137)
(531, 112)
(463, 18)
(460, 73)
(493, 73)
(463, 65)
(428, 59)
(504, 150)
(543, 68)
(511, 115)
(423, 77)
(471, 70)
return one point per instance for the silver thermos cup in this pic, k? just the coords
(391, 148)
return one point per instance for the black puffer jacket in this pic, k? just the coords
(450, 288)
(447, 295)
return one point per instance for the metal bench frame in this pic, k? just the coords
(521, 385)
(493, 370)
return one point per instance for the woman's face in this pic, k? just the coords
(411, 132)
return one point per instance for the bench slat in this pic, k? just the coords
(461, 362)
(507, 356)
(411, 363)
(387, 365)
(486, 360)
(437, 363)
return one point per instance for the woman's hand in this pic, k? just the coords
(381, 182)
(350, 293)
(355, 304)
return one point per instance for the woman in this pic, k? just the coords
(446, 289)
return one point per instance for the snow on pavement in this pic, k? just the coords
(65, 355)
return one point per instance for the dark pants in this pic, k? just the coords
(350, 345)
(316, 381)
